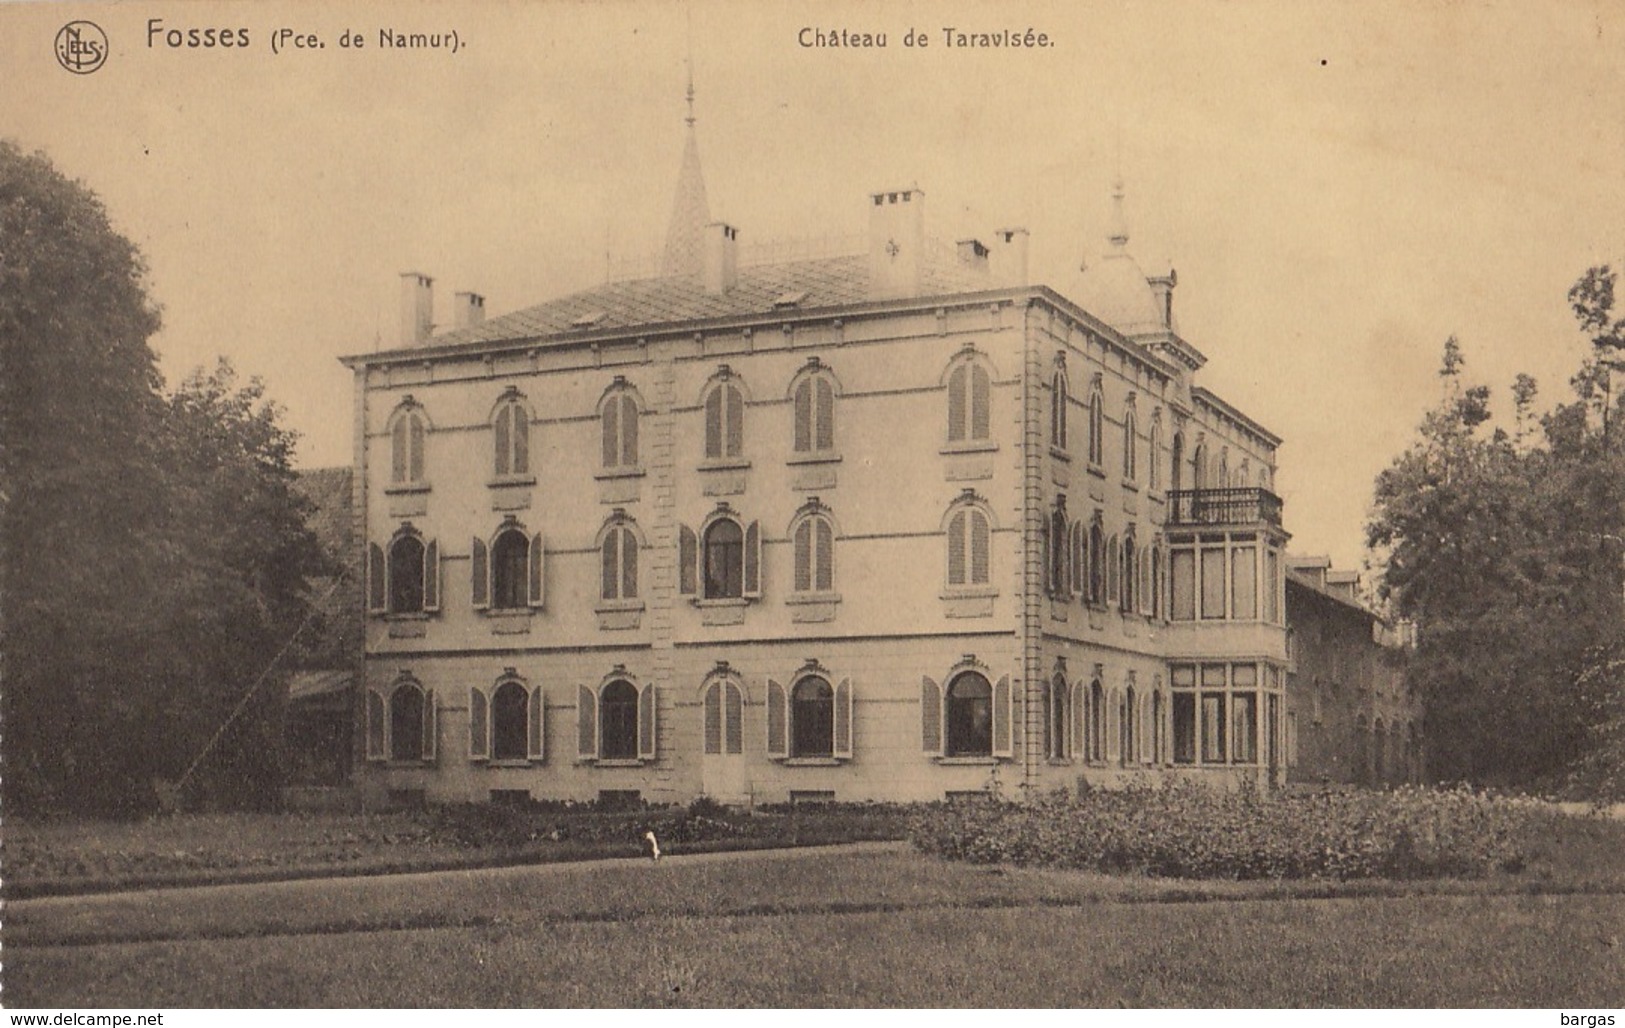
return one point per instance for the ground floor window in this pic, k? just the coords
(401, 722)
(616, 721)
(970, 716)
(1216, 713)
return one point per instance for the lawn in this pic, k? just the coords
(878, 926)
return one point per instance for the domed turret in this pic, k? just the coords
(1115, 289)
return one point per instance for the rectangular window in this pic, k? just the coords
(1213, 725)
(1184, 728)
(1244, 722)
(1183, 564)
(1244, 583)
(1212, 583)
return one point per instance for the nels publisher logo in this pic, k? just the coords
(81, 47)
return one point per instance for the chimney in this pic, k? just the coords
(469, 310)
(1162, 287)
(972, 254)
(417, 308)
(896, 243)
(721, 257)
(1008, 258)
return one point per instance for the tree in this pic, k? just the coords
(1506, 550)
(151, 544)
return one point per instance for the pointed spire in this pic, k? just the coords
(685, 236)
(1119, 233)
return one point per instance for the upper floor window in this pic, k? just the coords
(1154, 455)
(618, 417)
(814, 537)
(511, 425)
(618, 553)
(969, 398)
(406, 433)
(1131, 574)
(969, 545)
(507, 573)
(1097, 565)
(1199, 477)
(1057, 413)
(724, 420)
(1177, 461)
(401, 722)
(814, 403)
(406, 578)
(1114, 569)
(1097, 427)
(723, 561)
(1244, 474)
(1056, 548)
(1131, 456)
(1222, 479)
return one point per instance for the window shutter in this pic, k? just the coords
(538, 571)
(503, 446)
(536, 744)
(825, 422)
(397, 451)
(777, 721)
(956, 405)
(481, 574)
(377, 569)
(713, 718)
(647, 720)
(479, 724)
(612, 441)
(980, 570)
(1078, 720)
(981, 389)
(431, 725)
(753, 560)
(713, 423)
(416, 427)
(431, 576)
(930, 717)
(803, 415)
(629, 564)
(609, 578)
(586, 723)
(521, 440)
(629, 432)
(803, 545)
(956, 549)
(736, 421)
(377, 748)
(688, 561)
(824, 578)
(1001, 718)
(843, 720)
(733, 710)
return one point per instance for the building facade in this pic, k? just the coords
(885, 523)
(1352, 716)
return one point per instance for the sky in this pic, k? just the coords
(1340, 186)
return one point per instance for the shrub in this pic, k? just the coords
(1189, 831)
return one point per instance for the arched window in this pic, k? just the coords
(510, 569)
(969, 542)
(1097, 565)
(814, 538)
(1177, 463)
(724, 560)
(1131, 456)
(618, 721)
(970, 716)
(1131, 574)
(1223, 477)
(815, 414)
(1059, 581)
(1097, 721)
(1114, 570)
(1097, 427)
(1264, 477)
(1130, 743)
(1158, 750)
(1244, 475)
(408, 723)
(1057, 412)
(406, 434)
(511, 425)
(1156, 581)
(1057, 716)
(969, 398)
(406, 574)
(618, 417)
(619, 563)
(1199, 467)
(812, 718)
(510, 722)
(1080, 559)
(1154, 456)
(724, 421)
(723, 706)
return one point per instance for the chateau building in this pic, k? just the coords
(887, 522)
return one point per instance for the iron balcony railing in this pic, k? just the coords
(1242, 506)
